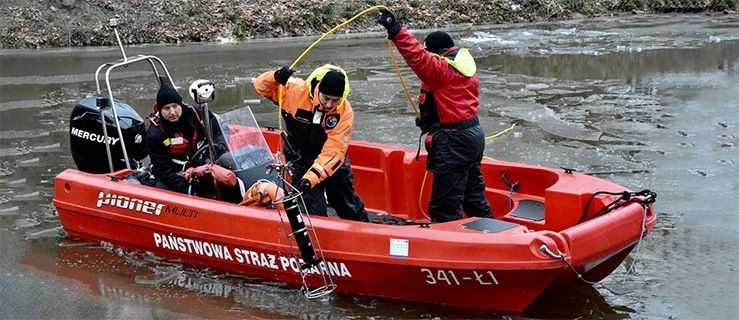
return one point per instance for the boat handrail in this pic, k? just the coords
(128, 61)
(110, 66)
(125, 60)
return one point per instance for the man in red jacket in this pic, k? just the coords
(448, 103)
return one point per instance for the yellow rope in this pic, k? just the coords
(397, 69)
(420, 205)
(339, 26)
(334, 29)
(502, 132)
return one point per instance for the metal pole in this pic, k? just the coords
(113, 23)
(208, 133)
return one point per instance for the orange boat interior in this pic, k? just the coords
(390, 180)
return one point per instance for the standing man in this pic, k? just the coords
(319, 122)
(448, 103)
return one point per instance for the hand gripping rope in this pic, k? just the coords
(339, 26)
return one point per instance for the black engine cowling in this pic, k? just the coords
(87, 139)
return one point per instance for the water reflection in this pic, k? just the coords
(628, 66)
(128, 280)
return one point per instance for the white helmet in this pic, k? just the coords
(202, 91)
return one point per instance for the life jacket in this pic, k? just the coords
(178, 144)
(308, 127)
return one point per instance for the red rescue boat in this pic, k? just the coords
(550, 225)
(494, 264)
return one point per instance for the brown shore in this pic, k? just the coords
(62, 23)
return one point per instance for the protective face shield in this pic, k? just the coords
(202, 91)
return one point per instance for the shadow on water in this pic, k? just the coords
(575, 301)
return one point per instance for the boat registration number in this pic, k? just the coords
(459, 278)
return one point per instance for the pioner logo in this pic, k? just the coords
(123, 202)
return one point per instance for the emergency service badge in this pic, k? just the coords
(331, 121)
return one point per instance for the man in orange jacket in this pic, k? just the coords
(319, 122)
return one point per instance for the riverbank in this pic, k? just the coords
(62, 23)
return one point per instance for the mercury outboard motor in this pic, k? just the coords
(87, 138)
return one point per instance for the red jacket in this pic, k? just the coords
(456, 95)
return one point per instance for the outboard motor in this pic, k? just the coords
(87, 139)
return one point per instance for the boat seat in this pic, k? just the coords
(529, 209)
(488, 225)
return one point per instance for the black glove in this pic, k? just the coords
(387, 20)
(303, 185)
(283, 74)
(423, 124)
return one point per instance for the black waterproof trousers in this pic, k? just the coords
(338, 190)
(454, 157)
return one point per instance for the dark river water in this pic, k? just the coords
(649, 102)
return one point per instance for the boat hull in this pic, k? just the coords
(252, 241)
(458, 263)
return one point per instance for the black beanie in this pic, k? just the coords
(332, 84)
(438, 41)
(166, 95)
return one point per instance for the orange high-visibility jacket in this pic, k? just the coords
(300, 106)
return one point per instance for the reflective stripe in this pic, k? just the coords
(167, 142)
(322, 174)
